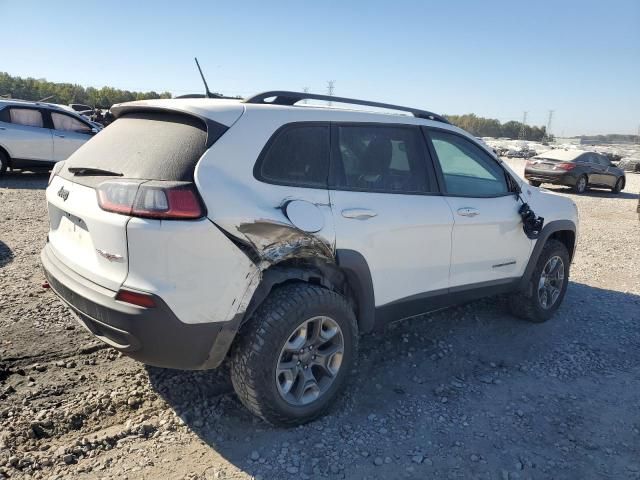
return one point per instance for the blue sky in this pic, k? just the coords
(492, 58)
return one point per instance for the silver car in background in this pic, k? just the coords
(34, 135)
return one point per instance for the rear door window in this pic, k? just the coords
(297, 155)
(29, 117)
(378, 158)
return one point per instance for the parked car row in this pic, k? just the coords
(522, 153)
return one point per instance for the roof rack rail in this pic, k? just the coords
(281, 97)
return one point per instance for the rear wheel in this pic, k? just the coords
(293, 355)
(4, 161)
(581, 184)
(547, 286)
(619, 186)
(535, 183)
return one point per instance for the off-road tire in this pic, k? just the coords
(526, 304)
(619, 186)
(255, 355)
(576, 187)
(4, 162)
(534, 183)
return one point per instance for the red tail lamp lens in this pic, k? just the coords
(565, 166)
(161, 200)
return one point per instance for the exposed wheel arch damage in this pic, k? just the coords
(347, 275)
(284, 253)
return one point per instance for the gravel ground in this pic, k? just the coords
(469, 392)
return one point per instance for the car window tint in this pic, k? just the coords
(299, 155)
(26, 116)
(381, 159)
(68, 123)
(467, 169)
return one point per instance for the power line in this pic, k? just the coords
(330, 86)
(548, 132)
(523, 131)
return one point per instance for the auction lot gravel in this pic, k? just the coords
(469, 392)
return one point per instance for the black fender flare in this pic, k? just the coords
(356, 269)
(548, 230)
(350, 268)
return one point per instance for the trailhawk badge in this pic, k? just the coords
(109, 256)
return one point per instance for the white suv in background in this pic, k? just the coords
(194, 230)
(35, 135)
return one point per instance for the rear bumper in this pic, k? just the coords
(154, 336)
(546, 176)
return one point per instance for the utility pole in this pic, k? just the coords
(548, 132)
(638, 137)
(330, 86)
(305, 90)
(523, 132)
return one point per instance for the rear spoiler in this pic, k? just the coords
(214, 129)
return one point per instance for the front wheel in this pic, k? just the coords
(294, 354)
(619, 186)
(547, 286)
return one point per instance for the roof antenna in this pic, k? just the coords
(208, 94)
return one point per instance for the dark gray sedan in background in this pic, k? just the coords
(574, 168)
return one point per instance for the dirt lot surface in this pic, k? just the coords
(469, 392)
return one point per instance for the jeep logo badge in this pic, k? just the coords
(63, 194)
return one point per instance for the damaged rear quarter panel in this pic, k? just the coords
(251, 211)
(191, 265)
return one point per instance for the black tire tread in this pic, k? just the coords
(4, 162)
(522, 304)
(256, 341)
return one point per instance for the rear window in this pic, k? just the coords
(145, 145)
(298, 155)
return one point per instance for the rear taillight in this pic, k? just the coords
(565, 166)
(154, 199)
(136, 298)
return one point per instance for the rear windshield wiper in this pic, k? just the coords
(93, 171)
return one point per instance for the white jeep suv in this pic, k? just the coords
(195, 230)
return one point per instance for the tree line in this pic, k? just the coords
(490, 127)
(66, 93)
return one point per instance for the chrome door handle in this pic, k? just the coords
(58, 135)
(358, 213)
(468, 212)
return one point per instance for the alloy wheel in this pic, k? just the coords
(310, 360)
(551, 282)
